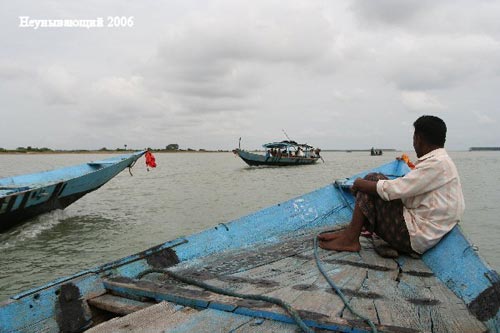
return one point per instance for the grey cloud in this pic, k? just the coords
(209, 91)
(209, 81)
(483, 118)
(10, 70)
(424, 17)
(390, 12)
(218, 106)
(421, 102)
(441, 62)
(225, 59)
(246, 37)
(58, 85)
(230, 68)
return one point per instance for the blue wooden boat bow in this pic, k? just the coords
(271, 253)
(26, 196)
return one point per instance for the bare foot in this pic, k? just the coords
(326, 236)
(341, 242)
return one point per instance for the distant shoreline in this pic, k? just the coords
(128, 151)
(123, 151)
(181, 151)
(484, 149)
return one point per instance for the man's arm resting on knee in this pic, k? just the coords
(365, 186)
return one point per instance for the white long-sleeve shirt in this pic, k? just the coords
(432, 198)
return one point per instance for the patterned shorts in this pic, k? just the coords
(385, 218)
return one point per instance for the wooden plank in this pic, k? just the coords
(209, 321)
(309, 292)
(392, 309)
(263, 278)
(239, 260)
(299, 279)
(365, 308)
(203, 300)
(452, 315)
(376, 262)
(118, 305)
(177, 291)
(289, 293)
(146, 289)
(410, 303)
(440, 310)
(153, 319)
(363, 299)
(416, 267)
(299, 265)
(290, 272)
(352, 280)
(257, 325)
(437, 305)
(315, 301)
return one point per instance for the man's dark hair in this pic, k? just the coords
(432, 129)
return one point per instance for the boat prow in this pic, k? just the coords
(26, 196)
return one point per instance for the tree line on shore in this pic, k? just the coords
(168, 148)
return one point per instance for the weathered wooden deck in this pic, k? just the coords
(399, 295)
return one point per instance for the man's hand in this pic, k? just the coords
(355, 186)
(365, 186)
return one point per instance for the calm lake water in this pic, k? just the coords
(189, 192)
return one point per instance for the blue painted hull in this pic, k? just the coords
(257, 159)
(26, 196)
(453, 261)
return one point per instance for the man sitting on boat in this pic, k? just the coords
(411, 213)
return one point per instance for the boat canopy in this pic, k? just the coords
(286, 144)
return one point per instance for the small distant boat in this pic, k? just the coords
(376, 152)
(26, 196)
(237, 277)
(284, 153)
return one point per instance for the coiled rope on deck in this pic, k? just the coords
(329, 280)
(288, 308)
(337, 289)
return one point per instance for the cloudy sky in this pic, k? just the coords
(335, 74)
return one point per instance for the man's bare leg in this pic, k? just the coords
(347, 239)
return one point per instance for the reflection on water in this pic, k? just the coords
(187, 193)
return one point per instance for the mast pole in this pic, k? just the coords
(286, 135)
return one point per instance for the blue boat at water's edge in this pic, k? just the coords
(270, 252)
(26, 196)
